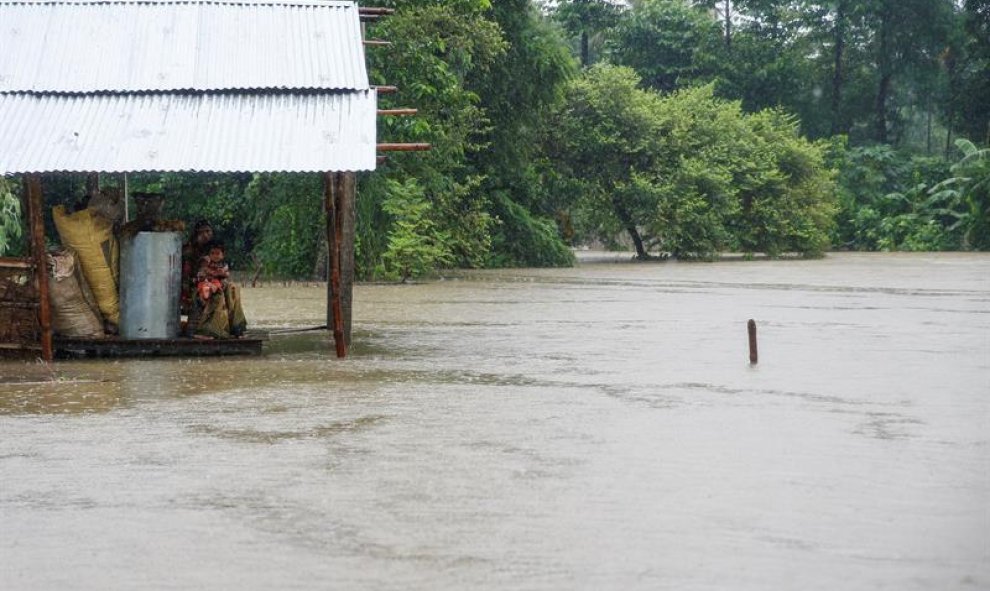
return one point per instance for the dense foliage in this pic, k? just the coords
(11, 229)
(890, 202)
(678, 124)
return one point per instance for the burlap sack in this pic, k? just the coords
(91, 237)
(74, 309)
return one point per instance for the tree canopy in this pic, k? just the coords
(688, 173)
(690, 127)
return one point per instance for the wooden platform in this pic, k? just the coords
(118, 347)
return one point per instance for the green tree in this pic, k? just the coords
(724, 11)
(415, 245)
(968, 108)
(516, 93)
(768, 66)
(601, 136)
(286, 224)
(785, 188)
(689, 173)
(587, 20)
(435, 48)
(664, 41)
(907, 35)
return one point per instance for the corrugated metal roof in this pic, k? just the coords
(235, 132)
(78, 46)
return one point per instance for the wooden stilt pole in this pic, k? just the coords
(328, 205)
(35, 207)
(335, 319)
(346, 217)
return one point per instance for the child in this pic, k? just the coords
(213, 271)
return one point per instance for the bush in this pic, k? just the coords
(11, 225)
(415, 244)
(963, 200)
(894, 201)
(524, 240)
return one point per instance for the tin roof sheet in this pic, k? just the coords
(231, 132)
(80, 46)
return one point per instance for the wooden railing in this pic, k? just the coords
(20, 329)
(25, 312)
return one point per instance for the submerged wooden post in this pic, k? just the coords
(34, 201)
(753, 355)
(335, 318)
(339, 190)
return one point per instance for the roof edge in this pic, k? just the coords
(314, 3)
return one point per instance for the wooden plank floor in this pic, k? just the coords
(118, 347)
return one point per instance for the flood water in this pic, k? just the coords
(593, 428)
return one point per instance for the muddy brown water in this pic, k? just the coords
(590, 428)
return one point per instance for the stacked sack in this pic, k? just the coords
(89, 233)
(75, 312)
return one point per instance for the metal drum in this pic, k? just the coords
(150, 281)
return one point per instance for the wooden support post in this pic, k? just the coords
(347, 217)
(335, 318)
(35, 208)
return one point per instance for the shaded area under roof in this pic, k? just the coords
(284, 132)
(82, 46)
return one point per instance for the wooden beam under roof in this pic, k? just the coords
(413, 147)
(398, 112)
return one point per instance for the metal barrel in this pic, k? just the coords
(150, 280)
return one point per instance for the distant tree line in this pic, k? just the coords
(667, 126)
(894, 93)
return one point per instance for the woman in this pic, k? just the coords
(219, 316)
